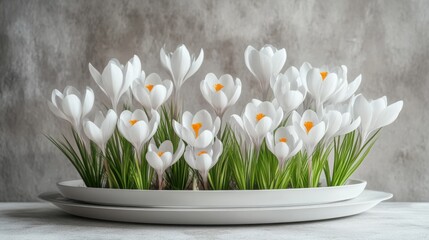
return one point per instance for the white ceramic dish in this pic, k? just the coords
(76, 190)
(219, 216)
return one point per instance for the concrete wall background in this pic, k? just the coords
(48, 44)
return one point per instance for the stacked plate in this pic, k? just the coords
(215, 207)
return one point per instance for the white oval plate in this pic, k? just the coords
(219, 216)
(76, 190)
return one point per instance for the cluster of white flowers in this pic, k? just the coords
(321, 102)
(318, 104)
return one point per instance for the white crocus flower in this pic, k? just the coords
(344, 90)
(310, 129)
(197, 130)
(265, 63)
(258, 119)
(180, 64)
(340, 120)
(220, 92)
(203, 159)
(375, 114)
(284, 144)
(101, 129)
(163, 157)
(151, 91)
(319, 82)
(115, 80)
(289, 92)
(136, 127)
(68, 105)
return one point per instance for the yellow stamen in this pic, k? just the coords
(259, 116)
(160, 154)
(201, 153)
(308, 126)
(133, 121)
(218, 87)
(323, 74)
(196, 127)
(149, 87)
(284, 140)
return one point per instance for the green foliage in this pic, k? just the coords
(319, 160)
(220, 175)
(348, 155)
(86, 160)
(298, 167)
(124, 169)
(256, 169)
(239, 166)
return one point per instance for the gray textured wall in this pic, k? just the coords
(48, 44)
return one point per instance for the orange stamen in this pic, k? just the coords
(259, 116)
(218, 87)
(196, 127)
(284, 140)
(323, 74)
(201, 153)
(308, 126)
(133, 121)
(160, 154)
(149, 87)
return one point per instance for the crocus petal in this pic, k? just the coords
(389, 115)
(281, 150)
(203, 163)
(109, 124)
(195, 65)
(72, 107)
(88, 102)
(157, 96)
(189, 157)
(263, 126)
(180, 63)
(179, 152)
(94, 133)
(269, 139)
(204, 139)
(112, 82)
(56, 111)
(154, 160)
(166, 146)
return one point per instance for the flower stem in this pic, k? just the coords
(310, 163)
(159, 181)
(205, 182)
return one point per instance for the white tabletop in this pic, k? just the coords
(385, 221)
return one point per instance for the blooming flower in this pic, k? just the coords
(310, 129)
(136, 127)
(258, 119)
(203, 159)
(163, 157)
(344, 90)
(289, 92)
(68, 106)
(101, 129)
(375, 114)
(284, 144)
(116, 79)
(336, 90)
(197, 130)
(265, 63)
(151, 91)
(320, 84)
(180, 64)
(339, 120)
(220, 93)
